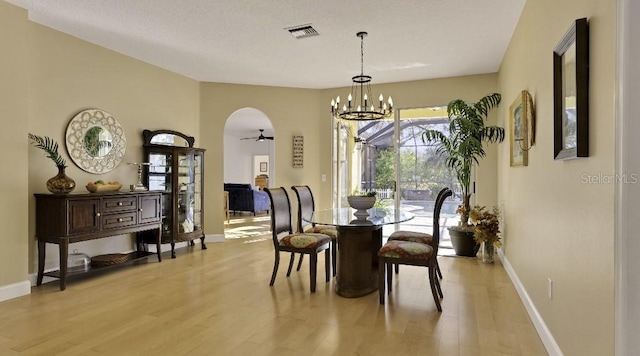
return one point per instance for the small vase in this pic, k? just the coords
(61, 184)
(487, 252)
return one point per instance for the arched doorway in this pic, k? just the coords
(245, 154)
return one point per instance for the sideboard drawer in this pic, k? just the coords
(112, 205)
(116, 221)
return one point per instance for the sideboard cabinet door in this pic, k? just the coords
(84, 216)
(149, 209)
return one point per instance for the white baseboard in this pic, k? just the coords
(33, 277)
(167, 247)
(545, 334)
(15, 290)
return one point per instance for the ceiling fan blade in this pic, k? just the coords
(262, 137)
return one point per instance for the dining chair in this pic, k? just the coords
(413, 254)
(306, 207)
(415, 236)
(285, 240)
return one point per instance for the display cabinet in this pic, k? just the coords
(176, 168)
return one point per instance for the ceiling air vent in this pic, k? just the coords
(302, 31)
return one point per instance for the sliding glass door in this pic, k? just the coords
(389, 156)
(422, 173)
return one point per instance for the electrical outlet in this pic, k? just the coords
(550, 288)
(323, 177)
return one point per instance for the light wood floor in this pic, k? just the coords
(218, 302)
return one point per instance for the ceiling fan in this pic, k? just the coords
(262, 137)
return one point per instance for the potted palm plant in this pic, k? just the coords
(463, 147)
(61, 183)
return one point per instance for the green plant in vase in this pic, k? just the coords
(366, 193)
(464, 146)
(61, 183)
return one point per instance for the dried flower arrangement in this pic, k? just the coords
(486, 225)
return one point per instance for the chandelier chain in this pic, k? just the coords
(362, 54)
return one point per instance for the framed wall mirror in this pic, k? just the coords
(95, 141)
(571, 93)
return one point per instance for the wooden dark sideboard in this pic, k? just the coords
(67, 218)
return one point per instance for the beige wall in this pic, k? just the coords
(14, 159)
(67, 75)
(292, 111)
(556, 226)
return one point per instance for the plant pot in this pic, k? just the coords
(463, 242)
(61, 183)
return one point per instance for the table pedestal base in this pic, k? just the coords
(358, 247)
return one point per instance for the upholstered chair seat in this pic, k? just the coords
(411, 236)
(407, 250)
(305, 240)
(326, 230)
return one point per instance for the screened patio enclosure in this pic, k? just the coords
(390, 157)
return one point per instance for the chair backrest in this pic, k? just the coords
(306, 205)
(442, 196)
(280, 212)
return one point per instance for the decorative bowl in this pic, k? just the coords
(97, 188)
(361, 204)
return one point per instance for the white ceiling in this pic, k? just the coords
(235, 41)
(245, 42)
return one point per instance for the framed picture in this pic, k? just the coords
(519, 135)
(298, 151)
(571, 93)
(263, 167)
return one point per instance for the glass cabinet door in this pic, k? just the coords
(160, 171)
(188, 196)
(160, 178)
(197, 192)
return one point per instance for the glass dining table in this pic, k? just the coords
(359, 239)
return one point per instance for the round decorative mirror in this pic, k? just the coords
(95, 141)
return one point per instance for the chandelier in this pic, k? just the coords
(360, 104)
